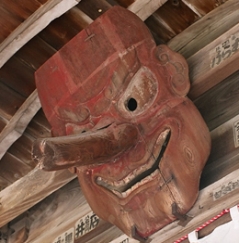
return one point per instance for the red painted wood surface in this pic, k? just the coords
(112, 75)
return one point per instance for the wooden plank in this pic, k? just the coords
(64, 28)
(64, 209)
(39, 126)
(21, 10)
(32, 26)
(220, 103)
(224, 155)
(3, 183)
(202, 7)
(214, 62)
(29, 190)
(94, 8)
(169, 20)
(8, 23)
(207, 206)
(21, 80)
(208, 28)
(18, 123)
(22, 149)
(9, 106)
(144, 9)
(36, 47)
(61, 212)
(13, 168)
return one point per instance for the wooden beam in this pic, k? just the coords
(201, 8)
(224, 155)
(208, 28)
(222, 106)
(193, 6)
(94, 8)
(146, 8)
(207, 206)
(18, 123)
(65, 207)
(29, 190)
(33, 25)
(214, 62)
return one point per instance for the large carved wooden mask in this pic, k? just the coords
(119, 114)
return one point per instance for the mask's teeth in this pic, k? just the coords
(141, 175)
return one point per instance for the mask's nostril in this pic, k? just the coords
(132, 104)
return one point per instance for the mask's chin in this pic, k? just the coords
(140, 176)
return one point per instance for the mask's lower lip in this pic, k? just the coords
(141, 175)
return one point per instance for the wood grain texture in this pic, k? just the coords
(202, 8)
(204, 209)
(27, 191)
(8, 162)
(18, 76)
(214, 62)
(62, 209)
(206, 29)
(94, 8)
(33, 25)
(39, 127)
(18, 123)
(9, 106)
(21, 149)
(59, 32)
(220, 103)
(224, 154)
(4, 183)
(21, 10)
(144, 9)
(165, 28)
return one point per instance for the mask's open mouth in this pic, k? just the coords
(141, 175)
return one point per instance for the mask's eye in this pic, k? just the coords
(140, 93)
(131, 104)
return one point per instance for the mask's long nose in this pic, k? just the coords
(97, 147)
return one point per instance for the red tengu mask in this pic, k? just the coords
(119, 114)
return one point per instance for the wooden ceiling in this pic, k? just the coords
(37, 206)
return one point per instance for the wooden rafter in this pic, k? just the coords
(214, 62)
(17, 125)
(51, 10)
(206, 207)
(144, 8)
(206, 29)
(30, 189)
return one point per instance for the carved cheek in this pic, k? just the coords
(189, 155)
